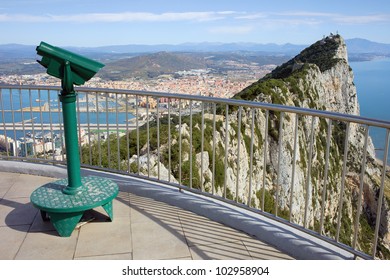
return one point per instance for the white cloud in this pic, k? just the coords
(338, 18)
(251, 16)
(288, 17)
(20, 18)
(118, 17)
(362, 19)
(304, 14)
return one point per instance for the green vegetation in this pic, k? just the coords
(366, 237)
(366, 234)
(289, 79)
(110, 160)
(346, 227)
(269, 204)
(322, 54)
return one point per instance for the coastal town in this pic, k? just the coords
(194, 82)
(49, 142)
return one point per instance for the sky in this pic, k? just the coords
(92, 23)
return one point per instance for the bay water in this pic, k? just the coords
(372, 81)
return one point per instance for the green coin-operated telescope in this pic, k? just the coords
(72, 69)
(64, 201)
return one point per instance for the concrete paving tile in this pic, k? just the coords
(158, 241)
(24, 185)
(11, 240)
(201, 230)
(6, 182)
(16, 211)
(126, 256)
(40, 225)
(223, 251)
(105, 238)
(3, 190)
(143, 216)
(262, 251)
(121, 206)
(47, 246)
(183, 259)
(143, 203)
(147, 210)
(8, 178)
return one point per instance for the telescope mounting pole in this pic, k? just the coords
(68, 100)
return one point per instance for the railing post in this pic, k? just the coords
(226, 149)
(381, 192)
(308, 178)
(325, 185)
(251, 158)
(265, 158)
(344, 173)
(280, 147)
(294, 165)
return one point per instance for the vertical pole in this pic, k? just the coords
(226, 149)
(265, 158)
(71, 142)
(251, 158)
(278, 183)
(68, 99)
(158, 139)
(308, 177)
(380, 198)
(201, 149)
(169, 140)
(325, 176)
(214, 135)
(238, 150)
(359, 204)
(345, 158)
(293, 167)
(190, 144)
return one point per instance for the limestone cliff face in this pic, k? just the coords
(318, 78)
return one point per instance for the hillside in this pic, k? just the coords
(319, 78)
(151, 66)
(162, 63)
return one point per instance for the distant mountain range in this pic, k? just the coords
(124, 60)
(356, 45)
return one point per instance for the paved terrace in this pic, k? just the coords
(151, 222)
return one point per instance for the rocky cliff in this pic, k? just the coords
(321, 78)
(318, 78)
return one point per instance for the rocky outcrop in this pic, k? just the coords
(318, 78)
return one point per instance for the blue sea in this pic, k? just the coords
(372, 81)
(11, 102)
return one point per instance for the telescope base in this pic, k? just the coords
(64, 210)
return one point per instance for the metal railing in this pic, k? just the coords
(306, 168)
